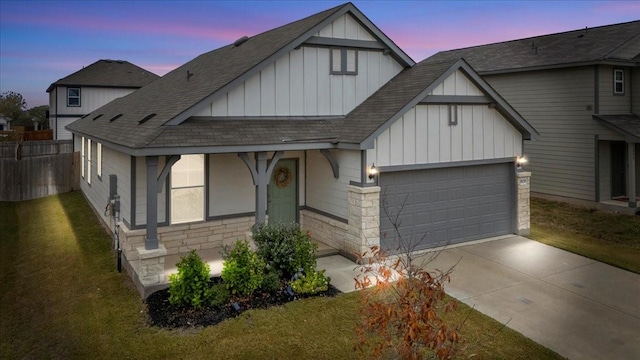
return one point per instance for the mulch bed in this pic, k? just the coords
(163, 314)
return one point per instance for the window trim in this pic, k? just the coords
(616, 81)
(69, 97)
(99, 160)
(82, 157)
(89, 161)
(343, 61)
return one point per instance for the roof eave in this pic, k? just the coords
(614, 62)
(629, 137)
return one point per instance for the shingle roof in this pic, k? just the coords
(108, 73)
(176, 92)
(613, 43)
(625, 124)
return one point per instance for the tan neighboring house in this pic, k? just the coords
(87, 89)
(581, 90)
(322, 122)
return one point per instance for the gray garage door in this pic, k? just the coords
(444, 206)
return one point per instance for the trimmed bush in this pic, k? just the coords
(191, 284)
(311, 282)
(285, 248)
(271, 282)
(218, 295)
(242, 270)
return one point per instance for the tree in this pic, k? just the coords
(39, 113)
(13, 106)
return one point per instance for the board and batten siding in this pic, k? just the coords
(423, 134)
(610, 103)
(300, 84)
(326, 193)
(345, 27)
(559, 104)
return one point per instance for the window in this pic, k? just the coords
(89, 161)
(99, 160)
(82, 157)
(73, 97)
(187, 189)
(344, 62)
(618, 81)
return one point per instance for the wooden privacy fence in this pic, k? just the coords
(43, 168)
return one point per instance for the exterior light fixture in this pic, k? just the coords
(520, 161)
(373, 172)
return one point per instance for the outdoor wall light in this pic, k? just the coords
(520, 161)
(373, 172)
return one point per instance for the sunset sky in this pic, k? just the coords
(43, 41)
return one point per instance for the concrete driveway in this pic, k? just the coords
(580, 308)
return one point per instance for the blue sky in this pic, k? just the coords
(43, 41)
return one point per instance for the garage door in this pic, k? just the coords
(444, 206)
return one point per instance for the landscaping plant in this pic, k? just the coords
(242, 270)
(190, 286)
(285, 248)
(310, 282)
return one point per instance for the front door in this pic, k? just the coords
(282, 206)
(618, 169)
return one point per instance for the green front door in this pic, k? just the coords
(282, 206)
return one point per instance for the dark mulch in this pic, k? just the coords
(163, 314)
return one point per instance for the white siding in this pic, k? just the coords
(457, 84)
(345, 27)
(90, 100)
(300, 83)
(423, 136)
(557, 104)
(326, 193)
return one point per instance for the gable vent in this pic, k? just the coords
(146, 118)
(97, 117)
(241, 41)
(115, 118)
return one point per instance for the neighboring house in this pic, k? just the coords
(80, 93)
(288, 126)
(5, 122)
(581, 90)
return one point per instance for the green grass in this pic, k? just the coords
(607, 237)
(61, 297)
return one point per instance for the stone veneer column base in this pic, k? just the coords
(523, 184)
(150, 269)
(364, 219)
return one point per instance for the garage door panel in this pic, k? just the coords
(449, 205)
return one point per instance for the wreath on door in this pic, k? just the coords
(283, 177)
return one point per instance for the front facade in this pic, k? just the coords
(293, 135)
(580, 89)
(78, 94)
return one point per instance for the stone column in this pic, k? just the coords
(151, 265)
(364, 219)
(523, 180)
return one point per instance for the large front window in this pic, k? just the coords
(187, 189)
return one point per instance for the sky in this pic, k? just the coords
(43, 41)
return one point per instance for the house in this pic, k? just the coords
(5, 122)
(581, 90)
(324, 121)
(87, 89)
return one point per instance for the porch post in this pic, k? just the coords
(151, 241)
(631, 175)
(261, 187)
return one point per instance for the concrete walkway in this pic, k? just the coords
(578, 307)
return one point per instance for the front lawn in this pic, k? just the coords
(611, 238)
(62, 297)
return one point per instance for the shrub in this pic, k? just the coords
(285, 248)
(218, 295)
(190, 285)
(271, 282)
(242, 270)
(311, 282)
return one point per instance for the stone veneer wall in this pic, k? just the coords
(523, 184)
(364, 219)
(176, 239)
(325, 229)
